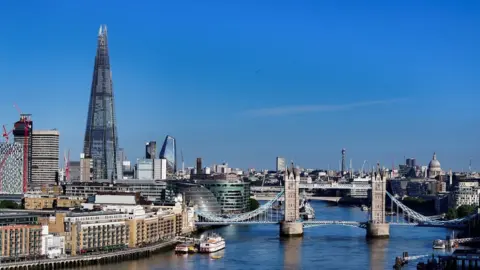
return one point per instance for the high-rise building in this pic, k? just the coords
(101, 141)
(144, 169)
(199, 166)
(280, 164)
(74, 167)
(11, 168)
(23, 128)
(410, 162)
(160, 169)
(169, 152)
(86, 168)
(150, 150)
(45, 151)
(344, 151)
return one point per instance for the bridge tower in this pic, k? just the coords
(377, 227)
(291, 225)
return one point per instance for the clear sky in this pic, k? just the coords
(244, 81)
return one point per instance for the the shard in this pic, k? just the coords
(101, 140)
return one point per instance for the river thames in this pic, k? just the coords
(324, 247)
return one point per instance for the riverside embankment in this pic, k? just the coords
(97, 259)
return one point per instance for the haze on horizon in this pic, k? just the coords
(246, 81)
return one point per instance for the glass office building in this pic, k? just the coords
(233, 195)
(101, 140)
(169, 152)
(194, 195)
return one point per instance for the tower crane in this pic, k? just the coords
(6, 134)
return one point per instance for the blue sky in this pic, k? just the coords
(245, 81)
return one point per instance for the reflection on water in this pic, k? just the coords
(292, 249)
(378, 249)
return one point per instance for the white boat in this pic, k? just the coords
(181, 248)
(439, 244)
(365, 208)
(212, 243)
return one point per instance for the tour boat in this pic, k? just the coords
(181, 248)
(212, 243)
(439, 244)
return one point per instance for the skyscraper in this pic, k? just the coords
(169, 152)
(45, 150)
(22, 133)
(150, 150)
(280, 164)
(101, 139)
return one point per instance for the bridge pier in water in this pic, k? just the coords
(378, 230)
(377, 227)
(291, 229)
(291, 225)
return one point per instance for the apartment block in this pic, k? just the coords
(20, 237)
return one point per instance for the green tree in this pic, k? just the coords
(451, 214)
(461, 211)
(466, 210)
(254, 204)
(9, 205)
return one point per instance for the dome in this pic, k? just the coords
(434, 163)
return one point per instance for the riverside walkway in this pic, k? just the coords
(83, 260)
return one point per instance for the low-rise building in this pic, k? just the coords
(53, 246)
(39, 202)
(150, 189)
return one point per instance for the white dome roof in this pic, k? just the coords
(434, 163)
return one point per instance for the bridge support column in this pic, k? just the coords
(378, 230)
(291, 229)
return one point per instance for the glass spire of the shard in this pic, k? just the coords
(101, 140)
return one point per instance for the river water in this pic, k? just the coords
(324, 247)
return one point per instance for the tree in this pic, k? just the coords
(451, 214)
(465, 210)
(460, 212)
(253, 204)
(9, 205)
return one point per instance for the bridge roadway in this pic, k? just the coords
(267, 197)
(315, 223)
(326, 185)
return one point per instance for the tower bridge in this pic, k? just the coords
(288, 217)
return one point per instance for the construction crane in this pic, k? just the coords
(6, 134)
(25, 119)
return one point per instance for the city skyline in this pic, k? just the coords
(262, 87)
